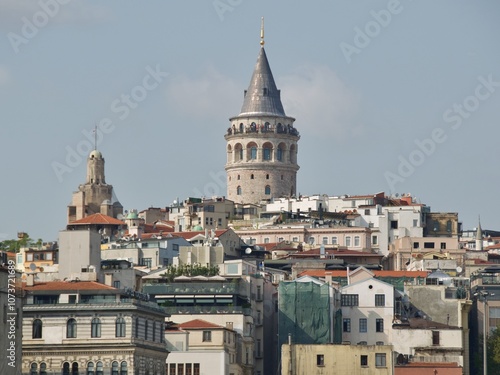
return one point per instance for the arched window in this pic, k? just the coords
(253, 153)
(267, 176)
(267, 151)
(71, 328)
(43, 368)
(251, 177)
(33, 369)
(154, 331)
(146, 329)
(238, 190)
(268, 190)
(241, 127)
(65, 368)
(279, 154)
(99, 369)
(114, 368)
(136, 327)
(120, 327)
(95, 327)
(74, 368)
(90, 368)
(37, 329)
(123, 368)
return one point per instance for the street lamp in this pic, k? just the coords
(483, 295)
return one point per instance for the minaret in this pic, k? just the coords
(479, 237)
(261, 141)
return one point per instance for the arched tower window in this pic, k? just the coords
(267, 151)
(238, 152)
(280, 152)
(241, 127)
(251, 176)
(238, 190)
(252, 151)
(267, 190)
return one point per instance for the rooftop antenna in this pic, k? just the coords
(262, 32)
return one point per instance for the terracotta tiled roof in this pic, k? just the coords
(68, 285)
(97, 219)
(343, 273)
(198, 324)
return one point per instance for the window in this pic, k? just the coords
(238, 190)
(379, 343)
(349, 300)
(180, 368)
(154, 331)
(116, 284)
(253, 153)
(325, 240)
(196, 369)
(379, 325)
(348, 241)
(356, 241)
(379, 299)
(95, 327)
(429, 245)
(374, 240)
(146, 262)
(172, 369)
(99, 369)
(279, 154)
(416, 245)
(443, 245)
(394, 224)
(123, 368)
(334, 240)
(71, 328)
(280, 239)
(380, 360)
(346, 325)
(251, 177)
(435, 337)
(65, 370)
(207, 336)
(266, 240)
(267, 153)
(74, 368)
(364, 360)
(189, 368)
(267, 177)
(295, 239)
(43, 368)
(267, 190)
(37, 329)
(33, 369)
(146, 330)
(90, 368)
(114, 368)
(136, 327)
(367, 211)
(120, 327)
(363, 325)
(320, 360)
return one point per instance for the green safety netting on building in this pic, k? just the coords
(304, 313)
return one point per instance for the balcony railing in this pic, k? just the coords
(192, 288)
(208, 310)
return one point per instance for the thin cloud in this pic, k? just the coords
(74, 12)
(4, 75)
(320, 101)
(208, 97)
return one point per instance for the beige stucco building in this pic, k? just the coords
(331, 359)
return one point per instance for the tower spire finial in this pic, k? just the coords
(262, 32)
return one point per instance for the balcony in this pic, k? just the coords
(192, 288)
(180, 310)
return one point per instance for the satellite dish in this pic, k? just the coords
(459, 269)
(248, 250)
(119, 216)
(257, 247)
(33, 266)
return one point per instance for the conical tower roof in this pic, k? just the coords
(262, 96)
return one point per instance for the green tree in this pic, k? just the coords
(493, 347)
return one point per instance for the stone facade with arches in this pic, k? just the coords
(261, 143)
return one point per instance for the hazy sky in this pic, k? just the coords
(395, 96)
